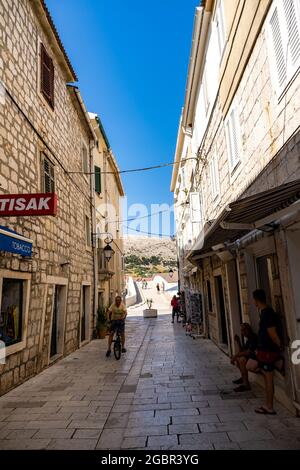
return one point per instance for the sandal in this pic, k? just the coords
(238, 381)
(242, 388)
(262, 411)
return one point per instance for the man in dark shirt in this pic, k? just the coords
(244, 354)
(269, 347)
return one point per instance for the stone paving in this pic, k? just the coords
(168, 392)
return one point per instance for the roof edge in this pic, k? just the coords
(43, 15)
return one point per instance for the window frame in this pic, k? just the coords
(86, 170)
(88, 232)
(215, 180)
(50, 99)
(233, 163)
(26, 278)
(291, 70)
(44, 157)
(220, 21)
(97, 170)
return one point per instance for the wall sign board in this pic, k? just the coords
(12, 205)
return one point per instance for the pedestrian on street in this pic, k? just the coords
(175, 308)
(117, 313)
(246, 352)
(158, 288)
(268, 354)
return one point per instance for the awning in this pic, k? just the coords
(259, 211)
(12, 242)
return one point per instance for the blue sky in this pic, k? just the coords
(131, 59)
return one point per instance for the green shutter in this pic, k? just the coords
(97, 179)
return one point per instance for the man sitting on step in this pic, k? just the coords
(245, 352)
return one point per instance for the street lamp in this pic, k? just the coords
(108, 252)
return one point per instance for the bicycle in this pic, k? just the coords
(117, 342)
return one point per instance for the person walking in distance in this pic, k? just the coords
(158, 288)
(175, 308)
(117, 315)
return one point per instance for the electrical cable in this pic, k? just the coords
(149, 233)
(133, 170)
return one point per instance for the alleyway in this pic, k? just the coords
(166, 393)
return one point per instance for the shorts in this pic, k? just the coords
(254, 364)
(117, 325)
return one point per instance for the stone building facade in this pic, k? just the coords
(108, 196)
(46, 141)
(236, 180)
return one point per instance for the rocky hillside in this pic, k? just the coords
(145, 256)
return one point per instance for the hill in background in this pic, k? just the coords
(146, 256)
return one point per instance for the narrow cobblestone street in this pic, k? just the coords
(167, 392)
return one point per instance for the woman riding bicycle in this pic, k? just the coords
(117, 314)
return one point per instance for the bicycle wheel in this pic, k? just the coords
(117, 349)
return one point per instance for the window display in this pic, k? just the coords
(11, 311)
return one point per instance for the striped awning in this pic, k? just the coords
(259, 211)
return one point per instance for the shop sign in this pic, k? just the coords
(12, 205)
(12, 242)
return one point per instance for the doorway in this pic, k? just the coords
(234, 301)
(57, 325)
(85, 313)
(223, 335)
(264, 277)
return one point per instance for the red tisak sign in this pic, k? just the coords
(28, 204)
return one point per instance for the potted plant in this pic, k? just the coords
(149, 312)
(101, 323)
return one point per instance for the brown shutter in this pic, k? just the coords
(48, 174)
(47, 76)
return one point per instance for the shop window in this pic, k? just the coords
(11, 314)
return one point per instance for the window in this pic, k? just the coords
(84, 158)
(47, 76)
(233, 139)
(11, 314)
(209, 296)
(88, 231)
(98, 180)
(284, 29)
(48, 181)
(214, 177)
(220, 25)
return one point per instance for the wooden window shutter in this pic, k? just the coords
(293, 27)
(47, 76)
(279, 48)
(233, 140)
(97, 179)
(48, 176)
